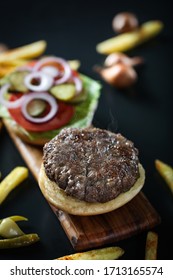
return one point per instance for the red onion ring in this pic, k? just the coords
(24, 68)
(45, 96)
(46, 81)
(78, 84)
(58, 60)
(50, 70)
(10, 104)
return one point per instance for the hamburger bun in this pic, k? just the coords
(60, 200)
(13, 127)
(90, 171)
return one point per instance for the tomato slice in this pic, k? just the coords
(63, 116)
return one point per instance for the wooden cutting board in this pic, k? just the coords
(94, 231)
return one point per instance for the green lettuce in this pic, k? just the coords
(84, 111)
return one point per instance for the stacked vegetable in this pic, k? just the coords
(46, 95)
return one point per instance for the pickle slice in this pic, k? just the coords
(81, 97)
(16, 80)
(64, 92)
(36, 107)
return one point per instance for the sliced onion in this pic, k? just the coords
(50, 70)
(44, 96)
(24, 68)
(78, 84)
(10, 104)
(45, 81)
(60, 61)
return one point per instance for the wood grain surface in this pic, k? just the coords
(93, 231)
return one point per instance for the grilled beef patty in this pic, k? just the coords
(91, 164)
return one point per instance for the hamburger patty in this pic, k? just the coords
(91, 164)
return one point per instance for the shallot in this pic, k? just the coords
(117, 57)
(118, 75)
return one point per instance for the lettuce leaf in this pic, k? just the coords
(84, 111)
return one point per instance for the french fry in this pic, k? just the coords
(74, 64)
(166, 171)
(15, 62)
(109, 253)
(129, 40)
(5, 70)
(6, 67)
(12, 180)
(29, 51)
(151, 246)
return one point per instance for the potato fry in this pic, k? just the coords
(74, 64)
(6, 67)
(166, 171)
(13, 63)
(129, 40)
(109, 253)
(12, 180)
(151, 246)
(29, 51)
(5, 70)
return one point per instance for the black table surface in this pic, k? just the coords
(143, 113)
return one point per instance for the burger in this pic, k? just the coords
(42, 97)
(90, 171)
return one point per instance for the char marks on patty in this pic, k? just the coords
(91, 164)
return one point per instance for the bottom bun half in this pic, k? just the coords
(60, 200)
(13, 127)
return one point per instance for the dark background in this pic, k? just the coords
(143, 114)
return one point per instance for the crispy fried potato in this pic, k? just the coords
(166, 171)
(7, 67)
(5, 70)
(15, 62)
(109, 253)
(74, 64)
(129, 40)
(13, 58)
(12, 180)
(29, 51)
(151, 246)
